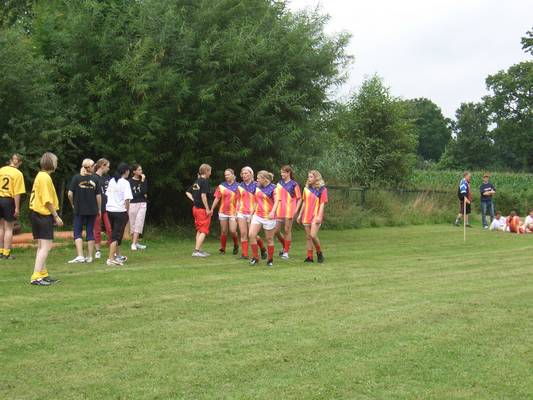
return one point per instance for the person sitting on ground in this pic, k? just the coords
(528, 223)
(514, 223)
(499, 223)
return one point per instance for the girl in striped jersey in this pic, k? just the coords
(289, 197)
(245, 208)
(264, 215)
(315, 197)
(227, 194)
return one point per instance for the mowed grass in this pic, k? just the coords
(394, 313)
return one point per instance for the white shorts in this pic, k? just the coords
(225, 217)
(243, 216)
(268, 224)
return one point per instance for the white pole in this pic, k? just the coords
(464, 219)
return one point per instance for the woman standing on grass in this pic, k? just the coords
(227, 194)
(44, 206)
(86, 201)
(199, 194)
(102, 168)
(138, 206)
(118, 202)
(315, 197)
(289, 197)
(245, 208)
(264, 216)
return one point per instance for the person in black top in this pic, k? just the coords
(199, 193)
(85, 198)
(137, 210)
(487, 190)
(101, 174)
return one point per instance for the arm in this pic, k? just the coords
(17, 205)
(215, 203)
(99, 203)
(57, 219)
(127, 204)
(70, 195)
(318, 219)
(206, 204)
(272, 214)
(189, 196)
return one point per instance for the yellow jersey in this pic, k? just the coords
(43, 192)
(11, 182)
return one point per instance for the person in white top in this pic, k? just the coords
(528, 223)
(118, 201)
(499, 223)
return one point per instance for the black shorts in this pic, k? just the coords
(7, 208)
(118, 222)
(462, 206)
(42, 226)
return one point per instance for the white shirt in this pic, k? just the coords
(529, 220)
(117, 193)
(498, 224)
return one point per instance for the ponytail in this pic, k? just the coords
(121, 169)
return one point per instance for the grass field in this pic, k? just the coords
(394, 313)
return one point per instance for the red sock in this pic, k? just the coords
(223, 240)
(244, 246)
(281, 239)
(310, 254)
(317, 248)
(260, 243)
(235, 239)
(255, 252)
(270, 252)
(287, 246)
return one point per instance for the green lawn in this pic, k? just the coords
(394, 313)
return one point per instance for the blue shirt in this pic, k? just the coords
(484, 188)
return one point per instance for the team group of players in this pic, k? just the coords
(255, 204)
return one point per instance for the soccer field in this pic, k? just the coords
(394, 313)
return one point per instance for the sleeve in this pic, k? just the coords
(19, 185)
(324, 196)
(144, 188)
(218, 195)
(127, 191)
(72, 184)
(47, 191)
(98, 189)
(297, 192)
(463, 188)
(276, 193)
(204, 186)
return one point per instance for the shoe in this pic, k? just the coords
(235, 250)
(88, 260)
(9, 257)
(133, 247)
(456, 223)
(270, 263)
(40, 282)
(198, 253)
(284, 255)
(49, 279)
(221, 252)
(114, 262)
(2, 256)
(264, 254)
(254, 261)
(205, 253)
(122, 259)
(468, 226)
(98, 254)
(308, 260)
(280, 253)
(319, 257)
(486, 227)
(77, 260)
(140, 246)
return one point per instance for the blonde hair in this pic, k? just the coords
(48, 161)
(85, 164)
(204, 168)
(100, 163)
(249, 169)
(266, 175)
(319, 181)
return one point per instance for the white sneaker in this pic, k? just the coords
(88, 259)
(77, 260)
(133, 247)
(114, 263)
(197, 253)
(285, 256)
(140, 246)
(98, 254)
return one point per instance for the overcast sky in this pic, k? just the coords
(439, 49)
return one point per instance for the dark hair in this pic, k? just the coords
(100, 163)
(289, 170)
(134, 167)
(121, 169)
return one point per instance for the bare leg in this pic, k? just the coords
(79, 247)
(200, 237)
(90, 247)
(7, 235)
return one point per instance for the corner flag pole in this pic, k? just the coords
(464, 218)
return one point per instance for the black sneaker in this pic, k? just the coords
(254, 261)
(468, 226)
(319, 257)
(308, 260)
(280, 253)
(270, 263)
(40, 282)
(235, 250)
(263, 254)
(222, 252)
(49, 279)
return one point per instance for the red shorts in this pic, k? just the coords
(202, 221)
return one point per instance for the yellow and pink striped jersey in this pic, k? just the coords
(265, 197)
(288, 194)
(246, 203)
(312, 198)
(228, 196)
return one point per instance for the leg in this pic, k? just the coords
(491, 211)
(314, 237)
(309, 242)
(200, 237)
(232, 227)
(484, 207)
(132, 213)
(252, 234)
(8, 237)
(269, 236)
(107, 226)
(90, 235)
(97, 232)
(224, 224)
(243, 229)
(2, 234)
(278, 234)
(77, 227)
(287, 235)
(43, 249)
